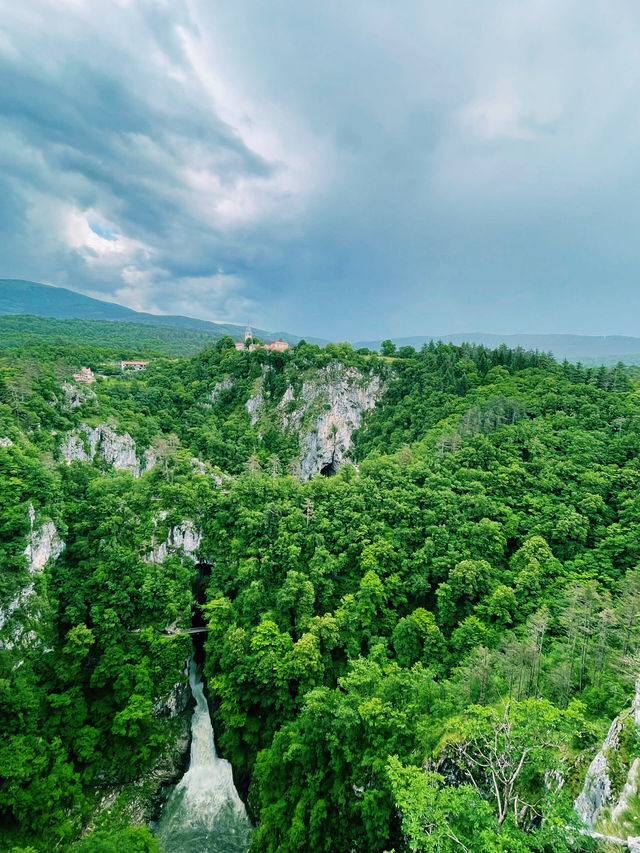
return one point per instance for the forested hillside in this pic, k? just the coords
(590, 350)
(421, 650)
(30, 298)
(118, 338)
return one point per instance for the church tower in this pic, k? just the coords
(248, 333)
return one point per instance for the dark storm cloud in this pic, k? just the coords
(350, 170)
(102, 131)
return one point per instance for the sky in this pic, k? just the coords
(350, 170)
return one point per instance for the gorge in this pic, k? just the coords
(204, 813)
(466, 571)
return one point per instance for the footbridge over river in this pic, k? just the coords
(191, 631)
(175, 632)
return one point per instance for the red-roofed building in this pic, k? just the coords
(85, 375)
(279, 346)
(247, 344)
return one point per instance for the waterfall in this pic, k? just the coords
(204, 813)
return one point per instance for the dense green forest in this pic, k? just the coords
(121, 338)
(422, 652)
(26, 301)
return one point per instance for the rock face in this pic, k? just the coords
(182, 538)
(596, 790)
(253, 406)
(174, 703)
(336, 402)
(176, 700)
(116, 450)
(143, 801)
(198, 467)
(223, 385)
(630, 789)
(597, 797)
(632, 843)
(44, 544)
(324, 415)
(76, 395)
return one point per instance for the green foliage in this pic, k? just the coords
(477, 574)
(134, 840)
(111, 339)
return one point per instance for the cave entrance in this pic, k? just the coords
(329, 469)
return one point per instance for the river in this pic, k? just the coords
(204, 813)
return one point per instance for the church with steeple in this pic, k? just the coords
(248, 343)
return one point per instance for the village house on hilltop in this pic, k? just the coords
(85, 375)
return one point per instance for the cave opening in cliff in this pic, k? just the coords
(329, 469)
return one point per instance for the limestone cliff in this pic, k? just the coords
(183, 538)
(327, 442)
(116, 450)
(324, 413)
(602, 803)
(76, 395)
(44, 544)
(177, 699)
(21, 611)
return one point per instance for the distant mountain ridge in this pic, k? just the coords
(19, 297)
(588, 349)
(43, 300)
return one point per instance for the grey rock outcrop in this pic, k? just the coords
(223, 385)
(629, 790)
(44, 544)
(19, 600)
(198, 467)
(5, 442)
(597, 794)
(174, 703)
(183, 538)
(336, 402)
(596, 790)
(76, 395)
(117, 450)
(632, 843)
(177, 699)
(324, 414)
(253, 406)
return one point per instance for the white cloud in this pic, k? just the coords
(94, 248)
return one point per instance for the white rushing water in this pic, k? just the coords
(204, 813)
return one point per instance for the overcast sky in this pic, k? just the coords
(344, 169)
